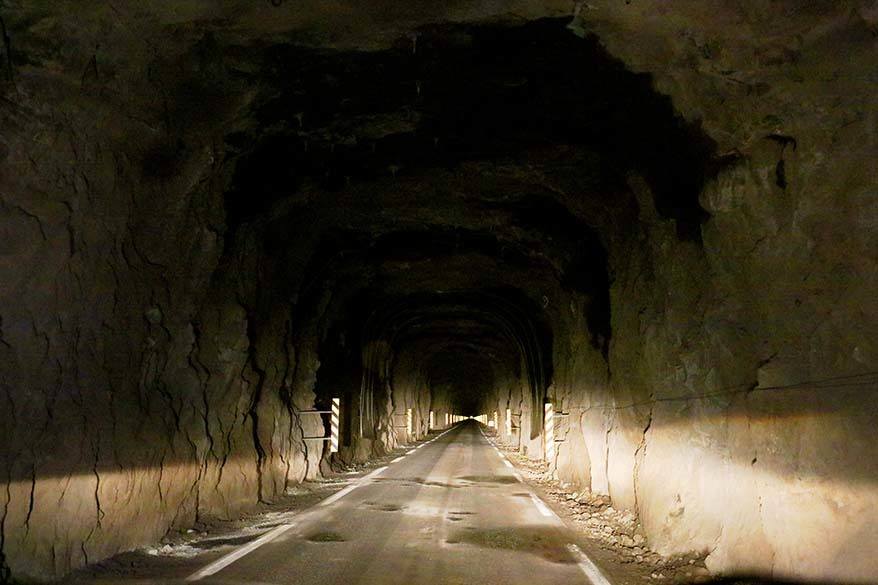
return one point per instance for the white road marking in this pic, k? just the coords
(338, 495)
(500, 454)
(592, 572)
(541, 506)
(398, 459)
(233, 556)
(223, 562)
(371, 475)
(585, 564)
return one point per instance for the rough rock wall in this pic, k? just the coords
(139, 392)
(409, 391)
(742, 374)
(748, 365)
(107, 187)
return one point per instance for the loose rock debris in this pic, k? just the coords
(615, 531)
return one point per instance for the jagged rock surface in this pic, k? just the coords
(212, 220)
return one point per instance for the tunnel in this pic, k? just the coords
(310, 291)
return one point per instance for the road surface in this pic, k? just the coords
(452, 511)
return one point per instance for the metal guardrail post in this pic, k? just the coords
(334, 423)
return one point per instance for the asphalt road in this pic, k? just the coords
(452, 511)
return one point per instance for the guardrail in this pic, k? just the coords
(334, 420)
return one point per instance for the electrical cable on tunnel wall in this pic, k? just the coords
(867, 382)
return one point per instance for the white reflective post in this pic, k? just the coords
(496, 419)
(508, 422)
(550, 433)
(430, 424)
(333, 424)
(408, 421)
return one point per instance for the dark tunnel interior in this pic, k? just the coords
(246, 249)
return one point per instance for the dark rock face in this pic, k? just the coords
(660, 217)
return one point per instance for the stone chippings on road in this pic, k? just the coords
(615, 531)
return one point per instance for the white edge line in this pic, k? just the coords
(338, 495)
(398, 459)
(541, 506)
(371, 475)
(585, 564)
(591, 570)
(223, 562)
(233, 556)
